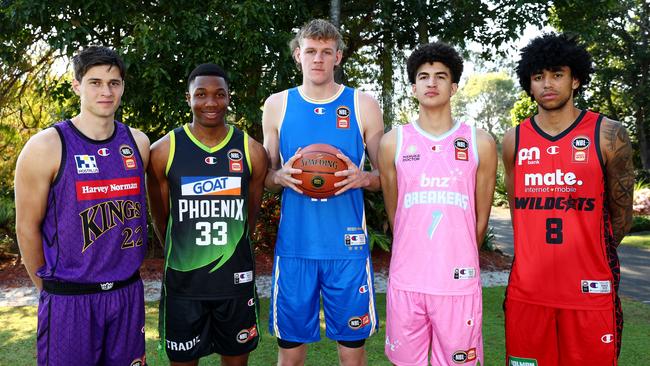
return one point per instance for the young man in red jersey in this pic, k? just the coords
(570, 178)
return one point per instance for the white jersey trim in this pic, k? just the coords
(424, 133)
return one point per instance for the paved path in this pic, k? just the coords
(635, 262)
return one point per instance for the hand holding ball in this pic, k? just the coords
(318, 164)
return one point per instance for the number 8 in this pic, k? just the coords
(554, 230)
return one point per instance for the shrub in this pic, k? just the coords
(640, 223)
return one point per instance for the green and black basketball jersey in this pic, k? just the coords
(207, 249)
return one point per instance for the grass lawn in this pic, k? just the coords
(18, 336)
(640, 240)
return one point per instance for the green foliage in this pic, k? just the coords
(486, 99)
(640, 223)
(524, 107)
(377, 221)
(489, 240)
(500, 191)
(268, 219)
(616, 34)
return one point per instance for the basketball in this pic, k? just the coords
(319, 163)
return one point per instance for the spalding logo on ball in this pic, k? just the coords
(318, 164)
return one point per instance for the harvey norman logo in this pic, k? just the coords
(216, 186)
(108, 188)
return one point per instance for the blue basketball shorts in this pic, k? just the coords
(346, 286)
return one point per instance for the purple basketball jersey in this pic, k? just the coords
(95, 227)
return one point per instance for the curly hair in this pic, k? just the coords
(551, 51)
(435, 52)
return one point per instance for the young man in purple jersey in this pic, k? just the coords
(81, 222)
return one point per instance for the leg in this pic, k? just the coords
(456, 322)
(587, 337)
(352, 353)
(241, 360)
(531, 334)
(295, 303)
(408, 331)
(291, 353)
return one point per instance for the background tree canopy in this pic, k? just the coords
(162, 41)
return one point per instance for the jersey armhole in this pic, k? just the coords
(172, 150)
(64, 156)
(601, 160)
(398, 143)
(247, 153)
(283, 110)
(474, 144)
(359, 117)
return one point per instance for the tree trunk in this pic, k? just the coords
(335, 17)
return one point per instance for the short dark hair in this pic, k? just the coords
(207, 70)
(435, 52)
(92, 56)
(550, 51)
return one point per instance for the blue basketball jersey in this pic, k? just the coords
(335, 227)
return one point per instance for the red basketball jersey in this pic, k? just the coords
(561, 226)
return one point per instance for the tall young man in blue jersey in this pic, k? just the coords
(322, 245)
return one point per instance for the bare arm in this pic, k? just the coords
(279, 175)
(372, 124)
(260, 163)
(388, 174)
(619, 170)
(34, 176)
(143, 145)
(158, 186)
(508, 155)
(485, 181)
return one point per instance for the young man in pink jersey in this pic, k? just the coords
(570, 178)
(438, 176)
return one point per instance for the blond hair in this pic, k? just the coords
(318, 29)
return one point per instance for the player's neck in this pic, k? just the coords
(94, 127)
(209, 136)
(435, 121)
(319, 91)
(554, 122)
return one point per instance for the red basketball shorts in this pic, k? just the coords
(545, 336)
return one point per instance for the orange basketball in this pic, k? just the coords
(319, 163)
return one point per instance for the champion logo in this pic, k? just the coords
(210, 160)
(103, 152)
(319, 110)
(363, 289)
(553, 150)
(607, 338)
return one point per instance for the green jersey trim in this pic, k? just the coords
(172, 151)
(206, 148)
(247, 153)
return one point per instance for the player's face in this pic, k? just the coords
(433, 85)
(553, 88)
(317, 59)
(100, 90)
(209, 99)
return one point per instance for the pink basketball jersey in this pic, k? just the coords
(434, 241)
